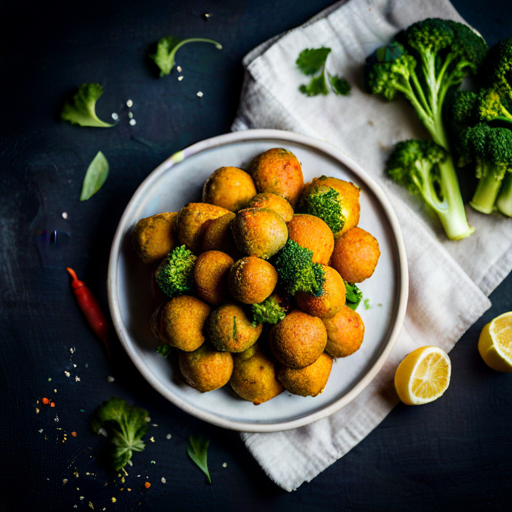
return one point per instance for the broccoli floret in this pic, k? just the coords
(491, 149)
(463, 108)
(269, 312)
(175, 276)
(82, 110)
(324, 202)
(495, 104)
(296, 270)
(499, 64)
(125, 425)
(354, 295)
(168, 46)
(425, 168)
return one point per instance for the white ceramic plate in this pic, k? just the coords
(179, 180)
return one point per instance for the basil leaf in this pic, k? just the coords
(95, 176)
(197, 451)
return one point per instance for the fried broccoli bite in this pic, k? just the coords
(206, 369)
(331, 300)
(273, 202)
(279, 172)
(153, 237)
(251, 280)
(298, 340)
(211, 276)
(174, 275)
(180, 322)
(230, 188)
(345, 332)
(218, 236)
(356, 255)
(335, 201)
(230, 330)
(308, 381)
(313, 234)
(254, 376)
(191, 222)
(259, 232)
(270, 311)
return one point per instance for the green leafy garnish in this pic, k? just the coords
(96, 175)
(367, 304)
(164, 350)
(125, 425)
(82, 110)
(175, 275)
(354, 295)
(269, 311)
(325, 203)
(197, 451)
(312, 61)
(168, 46)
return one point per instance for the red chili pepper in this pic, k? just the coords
(91, 309)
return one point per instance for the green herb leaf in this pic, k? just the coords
(197, 451)
(164, 350)
(367, 304)
(168, 46)
(315, 87)
(311, 60)
(354, 295)
(95, 176)
(339, 85)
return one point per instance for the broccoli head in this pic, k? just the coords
(499, 64)
(326, 203)
(269, 311)
(491, 149)
(296, 270)
(175, 275)
(496, 104)
(82, 110)
(125, 425)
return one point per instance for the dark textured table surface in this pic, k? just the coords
(454, 453)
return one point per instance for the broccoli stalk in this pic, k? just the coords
(424, 62)
(175, 275)
(125, 424)
(504, 201)
(269, 312)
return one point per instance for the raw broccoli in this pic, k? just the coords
(269, 312)
(498, 68)
(82, 110)
(175, 275)
(491, 149)
(424, 62)
(421, 167)
(495, 104)
(125, 425)
(296, 270)
(463, 109)
(324, 202)
(354, 295)
(168, 46)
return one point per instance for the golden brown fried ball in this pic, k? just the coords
(254, 376)
(330, 301)
(259, 232)
(273, 202)
(345, 332)
(153, 237)
(308, 381)
(230, 330)
(252, 280)
(314, 234)
(180, 322)
(206, 369)
(191, 223)
(230, 188)
(211, 276)
(278, 171)
(355, 255)
(348, 197)
(298, 340)
(218, 236)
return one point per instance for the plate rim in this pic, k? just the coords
(244, 136)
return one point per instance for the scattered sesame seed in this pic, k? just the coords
(72, 350)
(50, 379)
(129, 103)
(155, 424)
(37, 410)
(206, 15)
(225, 465)
(67, 374)
(74, 365)
(153, 462)
(115, 117)
(133, 122)
(110, 379)
(40, 430)
(180, 78)
(56, 419)
(103, 432)
(164, 481)
(179, 69)
(200, 94)
(81, 498)
(138, 476)
(168, 436)
(55, 391)
(147, 485)
(152, 439)
(65, 481)
(64, 215)
(130, 115)
(77, 379)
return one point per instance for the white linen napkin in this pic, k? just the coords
(449, 281)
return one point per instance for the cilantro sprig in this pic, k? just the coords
(312, 61)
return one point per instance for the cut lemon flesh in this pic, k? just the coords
(423, 375)
(495, 343)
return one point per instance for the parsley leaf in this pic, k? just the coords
(96, 174)
(197, 451)
(339, 85)
(164, 350)
(315, 87)
(312, 60)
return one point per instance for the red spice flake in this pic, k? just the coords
(52, 404)
(147, 485)
(46, 401)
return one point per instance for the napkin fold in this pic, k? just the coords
(449, 281)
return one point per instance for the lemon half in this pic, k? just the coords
(495, 343)
(423, 375)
